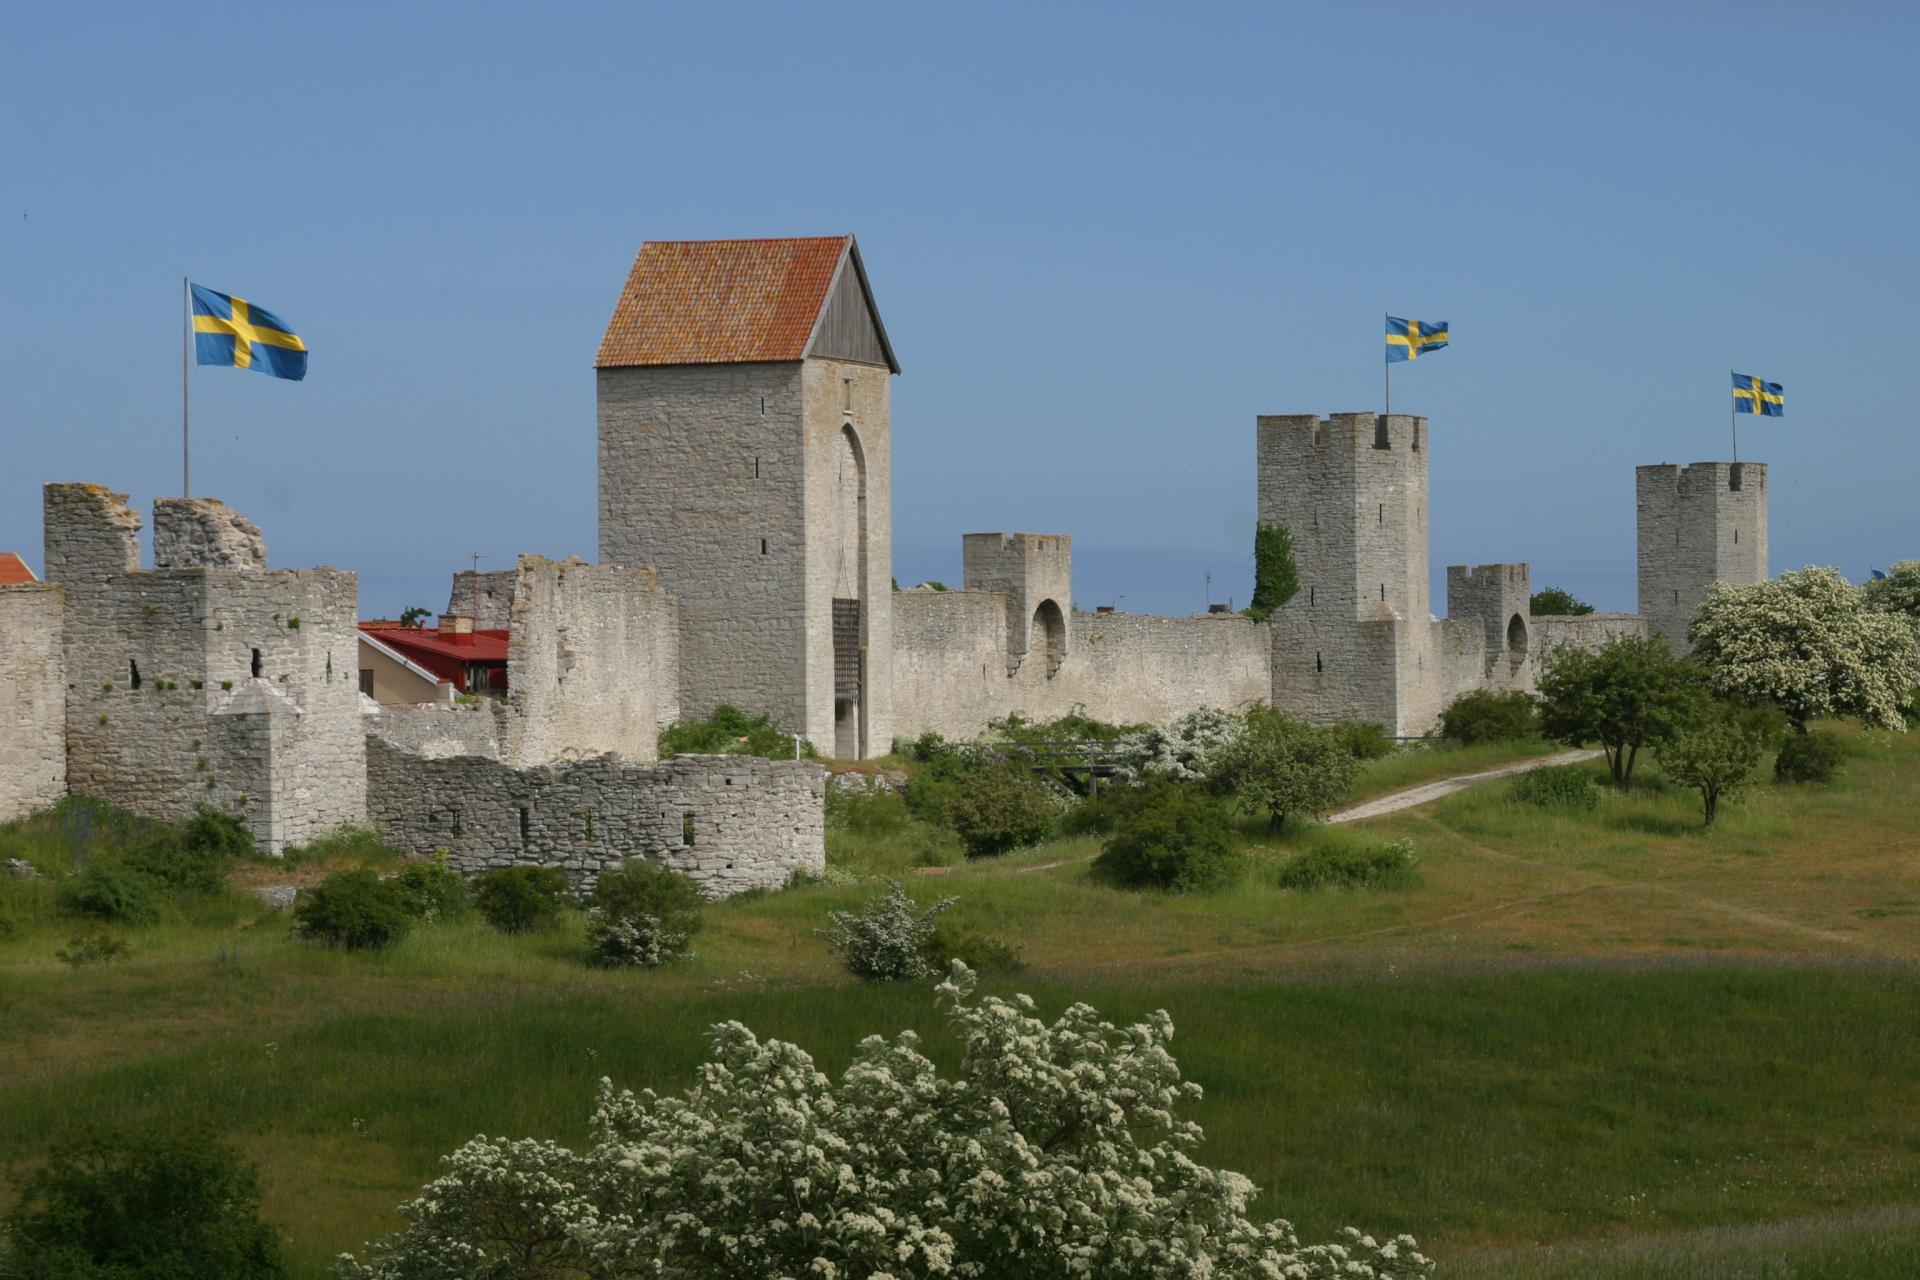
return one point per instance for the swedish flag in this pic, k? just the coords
(232, 331)
(1752, 395)
(1409, 339)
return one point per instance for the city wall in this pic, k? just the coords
(33, 700)
(732, 823)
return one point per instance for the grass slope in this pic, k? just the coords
(1609, 1044)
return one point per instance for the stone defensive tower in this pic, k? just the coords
(1034, 571)
(1698, 525)
(745, 452)
(1352, 489)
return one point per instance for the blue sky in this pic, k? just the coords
(1103, 239)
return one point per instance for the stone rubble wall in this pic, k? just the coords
(438, 731)
(732, 823)
(33, 699)
(1583, 631)
(189, 532)
(950, 666)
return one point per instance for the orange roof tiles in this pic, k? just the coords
(14, 571)
(721, 301)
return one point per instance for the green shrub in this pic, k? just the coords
(112, 890)
(980, 952)
(1485, 716)
(354, 909)
(516, 899)
(887, 939)
(194, 857)
(95, 946)
(1559, 787)
(1334, 865)
(868, 813)
(1363, 739)
(730, 731)
(1554, 602)
(1276, 578)
(1809, 757)
(428, 890)
(1282, 767)
(149, 1203)
(642, 914)
(1173, 837)
(1000, 810)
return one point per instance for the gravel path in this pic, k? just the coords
(1413, 796)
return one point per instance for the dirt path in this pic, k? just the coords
(1415, 796)
(1393, 802)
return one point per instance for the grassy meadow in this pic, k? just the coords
(1607, 1043)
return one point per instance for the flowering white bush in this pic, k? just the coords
(1056, 1152)
(1803, 641)
(1898, 592)
(1181, 750)
(618, 941)
(886, 940)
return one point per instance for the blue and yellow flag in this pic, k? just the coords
(232, 331)
(1409, 339)
(1752, 395)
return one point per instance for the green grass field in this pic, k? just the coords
(1606, 1044)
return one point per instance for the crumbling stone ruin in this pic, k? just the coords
(745, 434)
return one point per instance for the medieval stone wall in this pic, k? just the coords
(437, 731)
(702, 477)
(950, 666)
(33, 700)
(593, 662)
(487, 598)
(1697, 525)
(732, 823)
(204, 531)
(1583, 631)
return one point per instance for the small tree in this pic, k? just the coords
(998, 810)
(1629, 693)
(1182, 750)
(1055, 1151)
(1284, 767)
(414, 615)
(1898, 592)
(887, 939)
(1276, 579)
(354, 909)
(1171, 837)
(1552, 602)
(642, 914)
(1481, 715)
(517, 899)
(1715, 753)
(1805, 643)
(154, 1202)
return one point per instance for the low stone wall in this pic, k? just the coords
(435, 732)
(1583, 631)
(732, 823)
(950, 666)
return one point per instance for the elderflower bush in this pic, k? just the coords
(885, 940)
(1804, 642)
(617, 941)
(1057, 1151)
(1182, 750)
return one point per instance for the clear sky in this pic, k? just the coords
(1103, 239)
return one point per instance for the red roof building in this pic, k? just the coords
(472, 661)
(14, 571)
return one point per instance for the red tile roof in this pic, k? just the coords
(721, 301)
(14, 571)
(448, 659)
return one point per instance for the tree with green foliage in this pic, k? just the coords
(1049, 1151)
(1276, 579)
(354, 909)
(730, 731)
(518, 899)
(150, 1204)
(1481, 715)
(642, 914)
(1898, 592)
(414, 615)
(1283, 767)
(1552, 602)
(1806, 643)
(1171, 836)
(1715, 752)
(1630, 693)
(999, 809)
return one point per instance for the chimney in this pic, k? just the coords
(456, 628)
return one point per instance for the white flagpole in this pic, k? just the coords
(186, 346)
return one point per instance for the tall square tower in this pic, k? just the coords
(745, 447)
(1698, 525)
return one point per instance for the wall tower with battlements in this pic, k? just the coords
(1698, 525)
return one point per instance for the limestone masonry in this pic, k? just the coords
(745, 557)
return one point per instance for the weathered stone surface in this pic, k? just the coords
(33, 699)
(1699, 525)
(21, 869)
(730, 822)
(204, 531)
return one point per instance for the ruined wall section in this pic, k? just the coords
(1583, 631)
(1496, 598)
(1699, 525)
(189, 532)
(593, 662)
(487, 598)
(436, 732)
(1034, 572)
(33, 700)
(211, 685)
(732, 823)
(702, 476)
(950, 666)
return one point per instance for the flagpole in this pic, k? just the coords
(1733, 425)
(1388, 366)
(186, 343)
